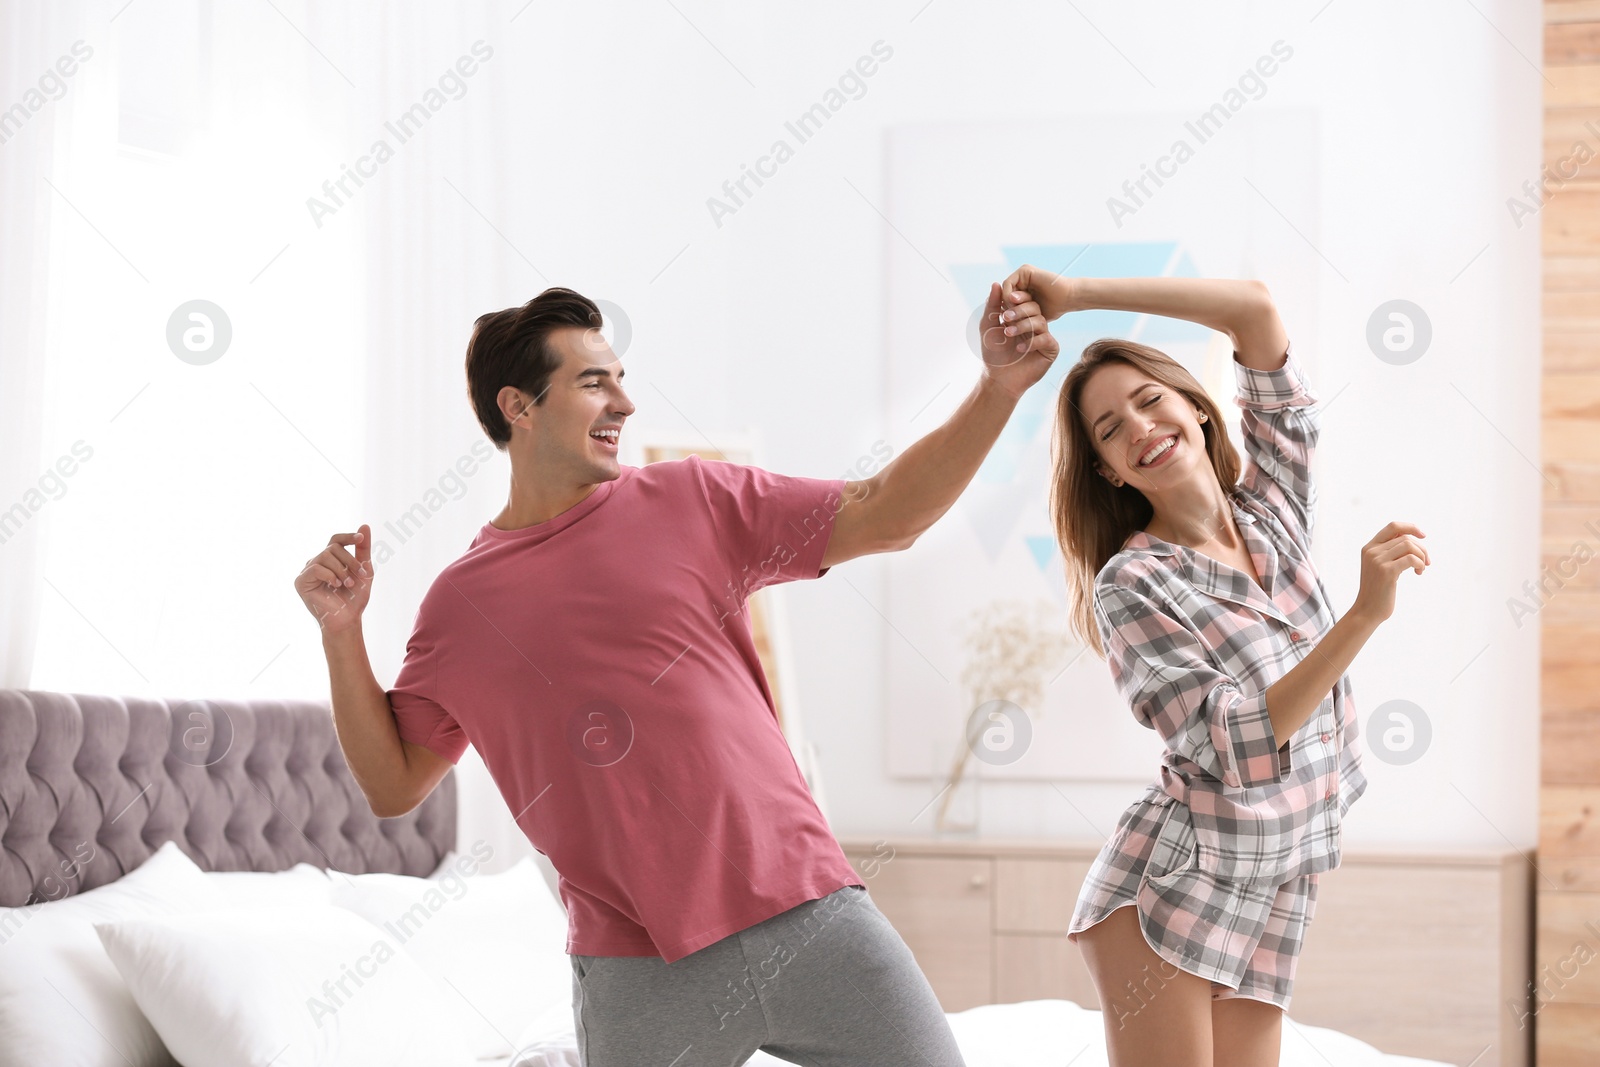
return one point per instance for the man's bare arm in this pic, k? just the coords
(889, 511)
(394, 775)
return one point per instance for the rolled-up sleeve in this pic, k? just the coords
(1161, 668)
(1280, 425)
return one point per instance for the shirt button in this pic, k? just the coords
(1326, 738)
(1294, 635)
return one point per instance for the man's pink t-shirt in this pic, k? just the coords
(602, 665)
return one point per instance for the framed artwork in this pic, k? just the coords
(1085, 206)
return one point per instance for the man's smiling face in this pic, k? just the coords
(577, 427)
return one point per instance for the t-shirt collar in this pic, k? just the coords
(541, 530)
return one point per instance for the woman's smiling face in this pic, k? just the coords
(1131, 417)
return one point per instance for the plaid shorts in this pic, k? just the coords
(1245, 938)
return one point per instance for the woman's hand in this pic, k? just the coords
(1393, 550)
(1055, 295)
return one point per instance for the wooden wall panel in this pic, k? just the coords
(1558, 11)
(1572, 219)
(1572, 43)
(1566, 991)
(1569, 835)
(1570, 350)
(1568, 1035)
(1566, 86)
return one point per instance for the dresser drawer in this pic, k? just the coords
(1036, 896)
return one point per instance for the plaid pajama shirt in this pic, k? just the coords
(1220, 857)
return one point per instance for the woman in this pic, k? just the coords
(1196, 584)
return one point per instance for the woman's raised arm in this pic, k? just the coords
(1241, 308)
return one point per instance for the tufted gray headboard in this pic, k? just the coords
(90, 786)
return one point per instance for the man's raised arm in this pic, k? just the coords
(890, 510)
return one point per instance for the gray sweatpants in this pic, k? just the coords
(826, 984)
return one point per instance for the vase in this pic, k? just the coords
(959, 807)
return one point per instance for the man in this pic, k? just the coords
(592, 646)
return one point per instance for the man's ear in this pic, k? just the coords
(520, 405)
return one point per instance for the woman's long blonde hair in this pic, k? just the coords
(1092, 517)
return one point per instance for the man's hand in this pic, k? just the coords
(1055, 295)
(912, 492)
(1018, 347)
(335, 585)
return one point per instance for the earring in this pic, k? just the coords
(1202, 416)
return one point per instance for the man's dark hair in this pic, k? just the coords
(509, 348)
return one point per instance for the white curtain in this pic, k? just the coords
(440, 250)
(40, 105)
(173, 170)
(204, 152)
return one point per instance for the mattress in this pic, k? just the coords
(1035, 1033)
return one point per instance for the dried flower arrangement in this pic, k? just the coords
(1011, 649)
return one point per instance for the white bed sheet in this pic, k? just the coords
(1034, 1033)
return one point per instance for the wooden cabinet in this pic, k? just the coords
(1033, 900)
(1424, 954)
(988, 925)
(941, 907)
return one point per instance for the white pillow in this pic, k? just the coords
(286, 985)
(61, 999)
(498, 939)
(300, 884)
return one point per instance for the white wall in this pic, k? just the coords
(588, 148)
(1430, 120)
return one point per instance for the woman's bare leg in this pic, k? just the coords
(1246, 1033)
(1154, 1012)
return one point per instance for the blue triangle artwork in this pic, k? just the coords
(1011, 475)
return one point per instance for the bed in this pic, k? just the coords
(201, 882)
